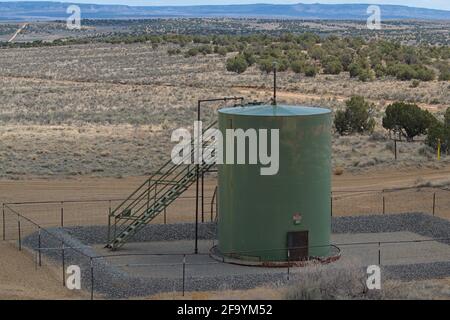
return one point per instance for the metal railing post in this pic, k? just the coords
(196, 209)
(379, 253)
(109, 221)
(20, 237)
(331, 205)
(165, 215)
(214, 198)
(39, 247)
(115, 227)
(154, 198)
(434, 204)
(203, 197)
(384, 205)
(4, 221)
(289, 264)
(92, 279)
(63, 265)
(184, 272)
(217, 205)
(62, 214)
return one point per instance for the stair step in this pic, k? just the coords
(142, 217)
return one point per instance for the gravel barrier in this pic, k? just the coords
(114, 283)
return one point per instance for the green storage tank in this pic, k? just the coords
(260, 216)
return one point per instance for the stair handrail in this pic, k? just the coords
(141, 225)
(144, 212)
(151, 186)
(147, 183)
(180, 175)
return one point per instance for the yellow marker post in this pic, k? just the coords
(439, 150)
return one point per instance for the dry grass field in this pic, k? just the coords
(109, 110)
(89, 121)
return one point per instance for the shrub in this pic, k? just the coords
(440, 131)
(282, 65)
(447, 117)
(332, 65)
(266, 65)
(340, 283)
(407, 119)
(356, 118)
(221, 50)
(317, 53)
(298, 66)
(425, 74)
(407, 72)
(444, 72)
(415, 84)
(354, 69)
(249, 57)
(205, 50)
(366, 75)
(444, 75)
(310, 70)
(436, 132)
(346, 58)
(361, 70)
(380, 70)
(237, 64)
(191, 52)
(172, 52)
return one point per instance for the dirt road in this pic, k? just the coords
(20, 280)
(108, 188)
(292, 97)
(18, 32)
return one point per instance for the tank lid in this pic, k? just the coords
(275, 111)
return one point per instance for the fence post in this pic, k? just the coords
(203, 197)
(434, 203)
(384, 205)
(379, 253)
(332, 204)
(165, 215)
(20, 237)
(109, 221)
(92, 279)
(4, 220)
(62, 214)
(184, 272)
(63, 265)
(395, 147)
(289, 264)
(212, 211)
(217, 206)
(115, 227)
(39, 247)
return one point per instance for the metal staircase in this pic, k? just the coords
(154, 195)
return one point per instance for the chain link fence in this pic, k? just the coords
(36, 229)
(431, 201)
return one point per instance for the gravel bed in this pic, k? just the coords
(113, 282)
(92, 235)
(422, 224)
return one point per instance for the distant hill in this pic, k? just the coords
(45, 10)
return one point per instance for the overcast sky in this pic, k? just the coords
(435, 4)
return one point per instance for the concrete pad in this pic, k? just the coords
(391, 253)
(133, 259)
